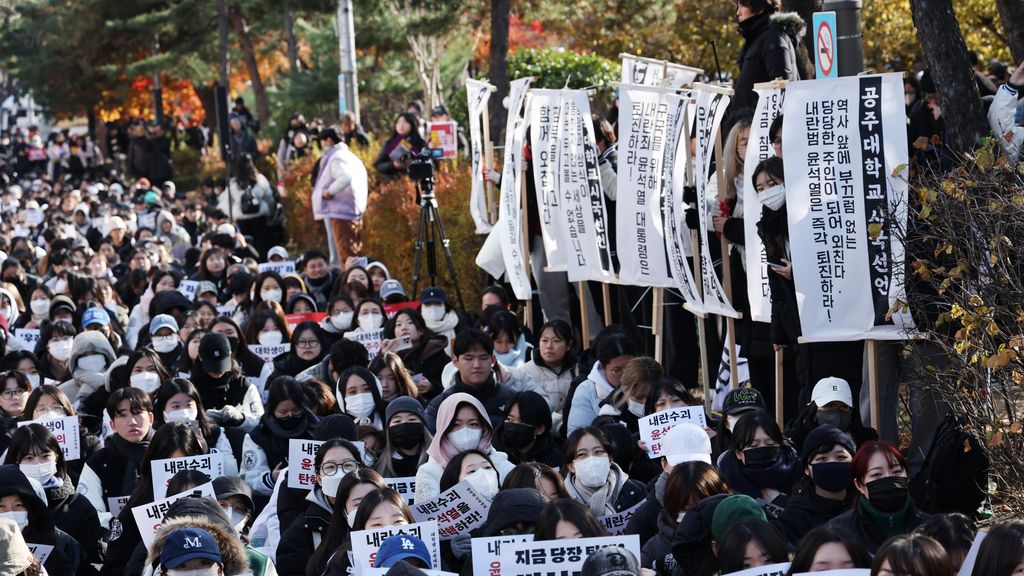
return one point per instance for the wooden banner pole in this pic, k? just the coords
(734, 374)
(581, 290)
(606, 296)
(873, 383)
(702, 338)
(658, 323)
(489, 194)
(526, 254)
(779, 385)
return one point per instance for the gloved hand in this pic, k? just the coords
(461, 545)
(689, 194)
(692, 219)
(227, 416)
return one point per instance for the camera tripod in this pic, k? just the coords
(431, 230)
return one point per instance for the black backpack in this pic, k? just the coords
(954, 477)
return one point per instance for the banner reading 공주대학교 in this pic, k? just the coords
(844, 140)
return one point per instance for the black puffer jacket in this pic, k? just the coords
(805, 512)
(691, 545)
(66, 556)
(76, 516)
(768, 53)
(297, 542)
(644, 522)
(657, 552)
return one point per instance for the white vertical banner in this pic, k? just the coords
(478, 93)
(588, 255)
(511, 208)
(649, 72)
(545, 124)
(677, 235)
(639, 220)
(847, 205)
(710, 111)
(759, 147)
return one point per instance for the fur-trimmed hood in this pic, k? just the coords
(232, 551)
(791, 23)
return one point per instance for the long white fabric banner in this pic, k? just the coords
(588, 255)
(511, 208)
(636, 70)
(545, 125)
(677, 235)
(639, 219)
(477, 93)
(710, 111)
(759, 147)
(846, 192)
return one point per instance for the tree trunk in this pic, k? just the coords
(207, 94)
(293, 43)
(946, 53)
(237, 20)
(1012, 14)
(500, 12)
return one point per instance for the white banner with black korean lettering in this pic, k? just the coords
(639, 220)
(759, 147)
(366, 543)
(510, 213)
(677, 236)
(487, 555)
(457, 510)
(66, 431)
(845, 140)
(561, 557)
(588, 250)
(163, 470)
(478, 93)
(545, 124)
(711, 108)
(636, 70)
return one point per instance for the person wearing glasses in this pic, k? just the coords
(288, 416)
(308, 348)
(340, 487)
(16, 388)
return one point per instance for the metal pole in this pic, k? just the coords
(158, 97)
(849, 52)
(348, 87)
(222, 82)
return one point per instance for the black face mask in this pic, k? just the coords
(406, 435)
(838, 418)
(233, 342)
(761, 457)
(291, 422)
(518, 436)
(888, 494)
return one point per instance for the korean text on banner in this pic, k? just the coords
(149, 516)
(653, 73)
(65, 430)
(365, 543)
(40, 551)
(370, 339)
(545, 125)
(210, 464)
(268, 353)
(405, 486)
(615, 524)
(456, 511)
(847, 206)
(654, 427)
(510, 207)
(443, 136)
(710, 111)
(589, 254)
(283, 267)
(771, 570)
(478, 94)
(564, 557)
(677, 235)
(302, 463)
(759, 147)
(639, 216)
(487, 552)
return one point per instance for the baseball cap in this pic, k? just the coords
(61, 304)
(742, 400)
(733, 509)
(151, 197)
(279, 251)
(95, 315)
(117, 223)
(205, 286)
(687, 442)
(433, 295)
(831, 389)
(611, 561)
(390, 288)
(227, 486)
(163, 321)
(188, 544)
(215, 352)
(226, 228)
(398, 548)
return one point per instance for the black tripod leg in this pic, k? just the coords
(448, 256)
(418, 257)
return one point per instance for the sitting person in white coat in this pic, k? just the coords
(613, 353)
(1002, 115)
(462, 424)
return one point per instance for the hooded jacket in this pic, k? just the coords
(586, 401)
(510, 506)
(691, 544)
(67, 556)
(266, 447)
(644, 521)
(805, 512)
(492, 398)
(74, 514)
(428, 477)
(83, 384)
(232, 552)
(1002, 120)
(303, 537)
(657, 551)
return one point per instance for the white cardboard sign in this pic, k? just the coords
(148, 516)
(210, 464)
(456, 510)
(365, 543)
(654, 427)
(66, 431)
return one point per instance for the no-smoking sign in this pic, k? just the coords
(825, 45)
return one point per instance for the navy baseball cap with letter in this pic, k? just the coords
(433, 295)
(95, 315)
(400, 547)
(188, 544)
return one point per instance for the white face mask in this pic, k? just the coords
(484, 482)
(351, 518)
(592, 471)
(432, 312)
(40, 307)
(368, 322)
(51, 415)
(237, 518)
(773, 198)
(148, 382)
(60, 287)
(60, 350)
(34, 380)
(359, 405)
(342, 320)
(271, 295)
(19, 518)
(165, 344)
(636, 408)
(270, 338)
(183, 415)
(208, 571)
(465, 438)
(41, 472)
(329, 484)
(92, 363)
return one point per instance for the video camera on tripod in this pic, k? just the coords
(421, 168)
